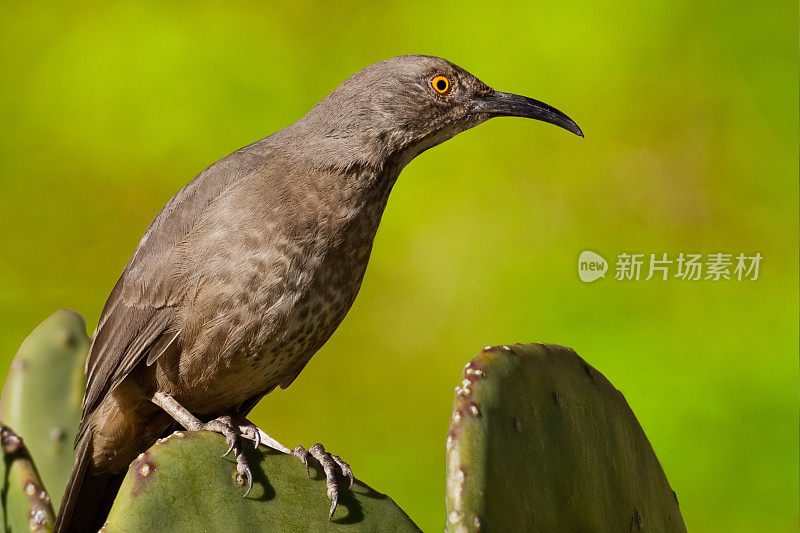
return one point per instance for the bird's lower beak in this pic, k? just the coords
(498, 104)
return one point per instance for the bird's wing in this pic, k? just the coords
(137, 320)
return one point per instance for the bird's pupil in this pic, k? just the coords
(441, 85)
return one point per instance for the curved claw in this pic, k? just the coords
(331, 464)
(334, 501)
(249, 477)
(230, 448)
(257, 439)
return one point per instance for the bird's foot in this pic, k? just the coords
(234, 429)
(233, 434)
(250, 431)
(331, 464)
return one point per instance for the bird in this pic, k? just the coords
(248, 270)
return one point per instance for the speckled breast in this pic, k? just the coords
(275, 308)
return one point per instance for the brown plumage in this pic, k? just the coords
(250, 268)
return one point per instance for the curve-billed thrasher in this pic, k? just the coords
(248, 270)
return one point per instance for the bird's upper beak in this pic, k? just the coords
(498, 104)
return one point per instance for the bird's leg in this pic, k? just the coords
(233, 429)
(223, 425)
(330, 464)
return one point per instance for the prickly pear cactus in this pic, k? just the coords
(541, 441)
(43, 392)
(25, 503)
(182, 484)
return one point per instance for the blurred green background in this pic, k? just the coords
(691, 117)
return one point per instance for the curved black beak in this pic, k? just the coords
(498, 104)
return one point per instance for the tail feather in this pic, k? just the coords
(94, 490)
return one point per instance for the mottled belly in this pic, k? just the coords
(258, 337)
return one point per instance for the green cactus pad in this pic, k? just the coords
(541, 441)
(182, 484)
(25, 503)
(42, 395)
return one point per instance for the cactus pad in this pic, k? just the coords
(25, 503)
(541, 441)
(43, 392)
(181, 483)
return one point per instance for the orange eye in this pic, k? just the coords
(440, 84)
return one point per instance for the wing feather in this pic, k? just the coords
(137, 321)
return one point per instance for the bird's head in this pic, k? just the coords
(399, 107)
